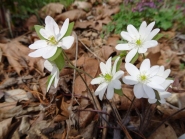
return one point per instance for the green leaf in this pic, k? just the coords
(60, 61)
(70, 29)
(115, 57)
(118, 91)
(118, 64)
(58, 52)
(158, 36)
(37, 29)
(134, 58)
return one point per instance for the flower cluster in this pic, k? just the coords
(149, 82)
(52, 38)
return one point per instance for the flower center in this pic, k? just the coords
(143, 78)
(139, 42)
(108, 77)
(52, 40)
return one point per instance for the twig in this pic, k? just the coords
(91, 51)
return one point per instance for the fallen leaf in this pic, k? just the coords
(16, 95)
(5, 106)
(82, 5)
(164, 132)
(73, 15)
(17, 55)
(51, 9)
(91, 67)
(5, 128)
(30, 22)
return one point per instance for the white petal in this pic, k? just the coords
(130, 80)
(153, 33)
(116, 84)
(56, 78)
(50, 52)
(123, 47)
(130, 55)
(138, 90)
(45, 34)
(126, 36)
(51, 25)
(142, 50)
(155, 86)
(131, 69)
(115, 66)
(97, 80)
(166, 83)
(38, 44)
(133, 31)
(145, 65)
(64, 29)
(101, 90)
(50, 82)
(103, 68)
(152, 101)
(149, 28)
(149, 91)
(48, 65)
(157, 79)
(110, 91)
(164, 94)
(166, 73)
(142, 28)
(161, 71)
(153, 71)
(109, 65)
(38, 52)
(149, 44)
(118, 75)
(67, 42)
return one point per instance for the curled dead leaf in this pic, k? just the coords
(82, 5)
(51, 9)
(73, 15)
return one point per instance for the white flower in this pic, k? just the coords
(53, 39)
(54, 73)
(162, 94)
(138, 41)
(109, 79)
(144, 80)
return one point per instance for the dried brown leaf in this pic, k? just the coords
(91, 67)
(30, 22)
(51, 9)
(7, 106)
(16, 95)
(73, 15)
(17, 55)
(5, 128)
(82, 5)
(164, 132)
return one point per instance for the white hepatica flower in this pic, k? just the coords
(109, 79)
(162, 94)
(54, 73)
(144, 80)
(138, 41)
(53, 39)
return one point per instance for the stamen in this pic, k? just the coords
(52, 40)
(108, 77)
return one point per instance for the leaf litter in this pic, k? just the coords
(28, 111)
